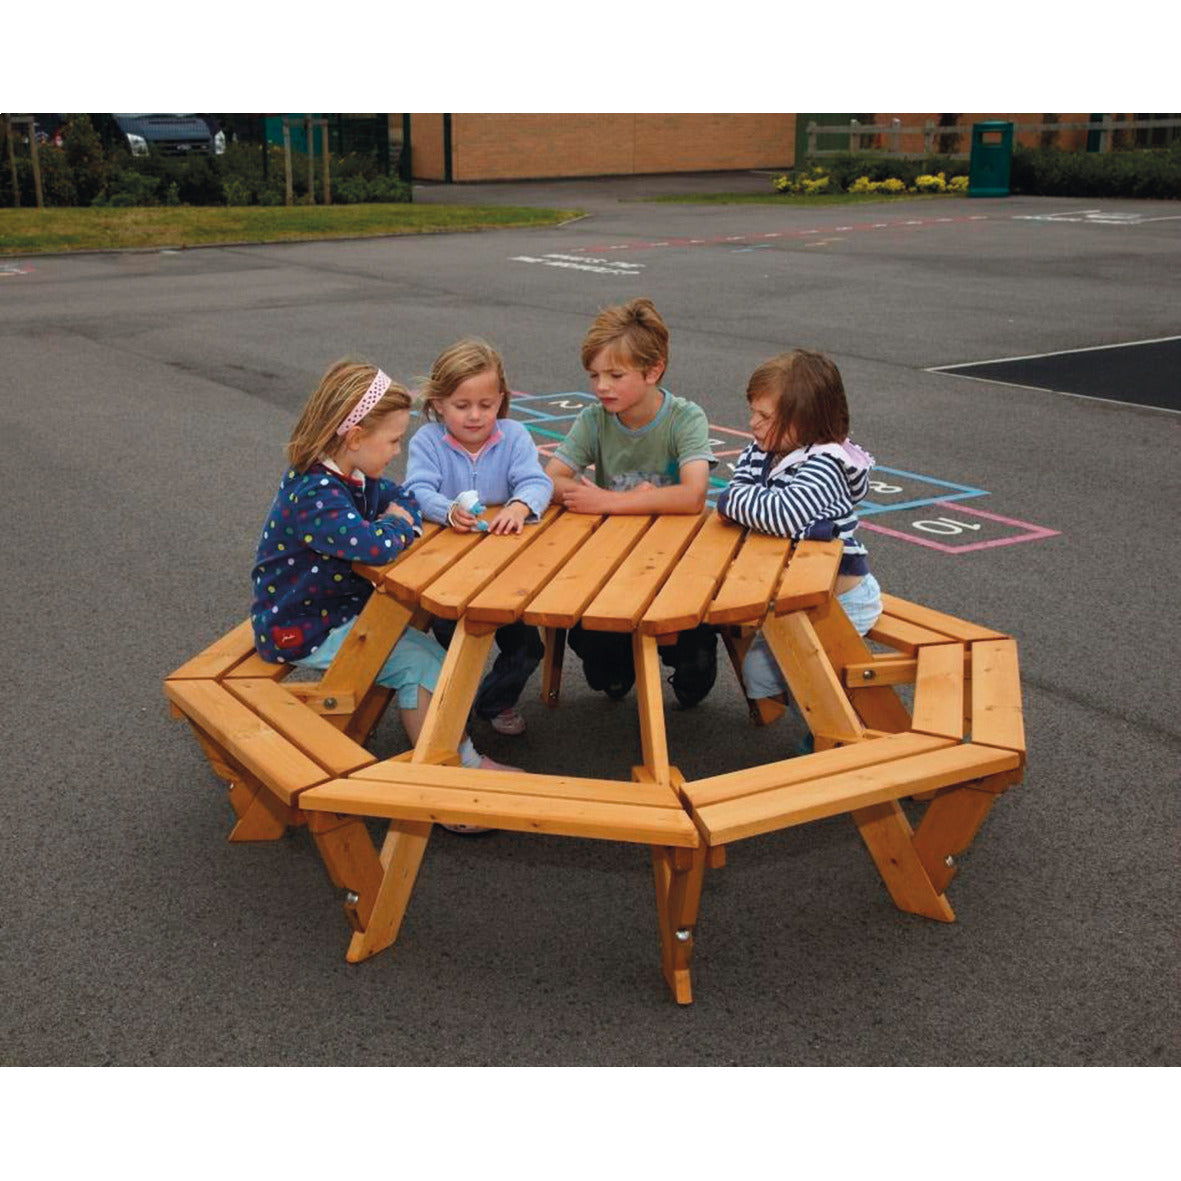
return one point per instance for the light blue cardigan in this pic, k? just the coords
(439, 469)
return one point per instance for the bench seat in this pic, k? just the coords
(556, 805)
(764, 799)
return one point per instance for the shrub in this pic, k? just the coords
(57, 178)
(1049, 173)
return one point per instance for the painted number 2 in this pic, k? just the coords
(945, 526)
(885, 489)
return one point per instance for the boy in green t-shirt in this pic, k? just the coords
(650, 453)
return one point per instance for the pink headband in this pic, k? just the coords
(369, 399)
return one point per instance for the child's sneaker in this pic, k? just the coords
(508, 721)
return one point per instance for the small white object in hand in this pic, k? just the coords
(469, 501)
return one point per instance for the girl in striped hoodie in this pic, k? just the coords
(802, 478)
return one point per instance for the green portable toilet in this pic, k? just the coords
(992, 159)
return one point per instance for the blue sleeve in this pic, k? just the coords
(526, 481)
(328, 522)
(424, 478)
(390, 493)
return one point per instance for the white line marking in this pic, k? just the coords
(1129, 344)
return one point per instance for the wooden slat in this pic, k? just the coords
(282, 766)
(556, 816)
(566, 787)
(686, 595)
(407, 579)
(937, 621)
(451, 592)
(892, 670)
(736, 784)
(317, 738)
(624, 599)
(505, 597)
(830, 796)
(939, 690)
(996, 695)
(377, 574)
(563, 600)
(255, 668)
(749, 585)
(810, 576)
(220, 656)
(903, 636)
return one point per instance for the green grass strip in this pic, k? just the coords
(34, 231)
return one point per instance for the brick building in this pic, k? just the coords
(476, 147)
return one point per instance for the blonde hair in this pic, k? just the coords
(809, 397)
(634, 331)
(453, 366)
(338, 392)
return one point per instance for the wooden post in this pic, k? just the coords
(896, 136)
(16, 191)
(929, 137)
(324, 161)
(287, 160)
(36, 161)
(812, 138)
(854, 136)
(310, 135)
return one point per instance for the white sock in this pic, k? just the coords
(468, 755)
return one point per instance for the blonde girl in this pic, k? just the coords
(334, 508)
(468, 443)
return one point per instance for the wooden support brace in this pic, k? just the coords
(351, 861)
(888, 837)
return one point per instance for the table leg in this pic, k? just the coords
(815, 686)
(678, 875)
(890, 840)
(650, 700)
(406, 841)
(551, 669)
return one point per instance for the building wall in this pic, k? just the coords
(527, 146)
(426, 147)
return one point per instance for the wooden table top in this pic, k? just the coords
(654, 574)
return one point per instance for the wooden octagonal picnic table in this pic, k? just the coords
(651, 578)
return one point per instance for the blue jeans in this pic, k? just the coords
(760, 671)
(415, 661)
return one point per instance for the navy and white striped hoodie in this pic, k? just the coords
(810, 493)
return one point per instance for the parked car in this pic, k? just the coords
(171, 135)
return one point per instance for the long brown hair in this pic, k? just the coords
(338, 392)
(809, 394)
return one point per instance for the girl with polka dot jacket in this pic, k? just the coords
(334, 508)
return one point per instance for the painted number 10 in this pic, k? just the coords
(945, 526)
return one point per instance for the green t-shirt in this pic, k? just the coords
(623, 458)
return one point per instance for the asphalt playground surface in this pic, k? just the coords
(145, 398)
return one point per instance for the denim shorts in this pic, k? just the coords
(862, 604)
(415, 660)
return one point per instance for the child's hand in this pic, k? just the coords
(461, 520)
(396, 510)
(510, 519)
(585, 496)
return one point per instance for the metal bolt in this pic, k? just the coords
(869, 674)
(949, 861)
(684, 935)
(329, 702)
(352, 898)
